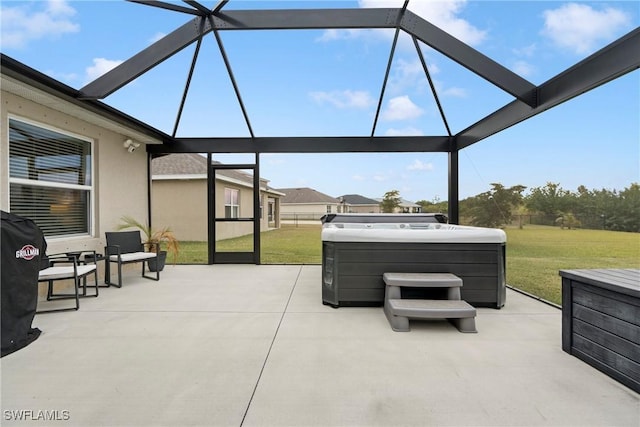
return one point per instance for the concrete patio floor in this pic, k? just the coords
(231, 345)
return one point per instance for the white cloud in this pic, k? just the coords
(68, 78)
(358, 99)
(526, 51)
(332, 35)
(100, 66)
(442, 14)
(401, 108)
(522, 68)
(406, 74)
(380, 178)
(581, 28)
(408, 131)
(455, 92)
(358, 178)
(419, 165)
(20, 24)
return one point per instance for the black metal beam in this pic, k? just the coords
(454, 184)
(177, 40)
(386, 74)
(380, 144)
(384, 82)
(307, 19)
(469, 58)
(236, 89)
(194, 4)
(609, 63)
(313, 19)
(431, 85)
(146, 59)
(219, 6)
(31, 77)
(167, 6)
(187, 85)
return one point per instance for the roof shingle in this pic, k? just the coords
(305, 195)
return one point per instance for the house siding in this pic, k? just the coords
(363, 208)
(114, 167)
(181, 204)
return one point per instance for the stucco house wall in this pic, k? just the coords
(181, 206)
(309, 208)
(363, 208)
(179, 200)
(119, 177)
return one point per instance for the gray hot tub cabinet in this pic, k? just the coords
(354, 260)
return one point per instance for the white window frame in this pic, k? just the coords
(230, 204)
(36, 183)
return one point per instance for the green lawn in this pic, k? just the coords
(535, 254)
(288, 245)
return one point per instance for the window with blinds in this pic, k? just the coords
(50, 179)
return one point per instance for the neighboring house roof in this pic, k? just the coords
(407, 204)
(305, 195)
(356, 199)
(194, 166)
(179, 164)
(404, 203)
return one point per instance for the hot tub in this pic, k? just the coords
(355, 255)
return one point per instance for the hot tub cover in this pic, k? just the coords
(406, 232)
(383, 218)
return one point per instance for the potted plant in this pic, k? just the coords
(164, 238)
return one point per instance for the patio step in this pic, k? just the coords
(399, 311)
(460, 313)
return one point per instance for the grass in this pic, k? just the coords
(535, 254)
(287, 245)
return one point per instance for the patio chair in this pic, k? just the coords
(125, 247)
(68, 266)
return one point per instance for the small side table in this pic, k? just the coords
(89, 258)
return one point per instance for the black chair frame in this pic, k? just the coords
(122, 243)
(79, 278)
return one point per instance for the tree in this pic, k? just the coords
(624, 214)
(549, 200)
(390, 201)
(435, 206)
(568, 220)
(495, 207)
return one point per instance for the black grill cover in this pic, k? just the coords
(23, 245)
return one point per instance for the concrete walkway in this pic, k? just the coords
(231, 345)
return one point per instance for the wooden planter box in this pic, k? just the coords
(601, 321)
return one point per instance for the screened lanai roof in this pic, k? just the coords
(225, 77)
(215, 40)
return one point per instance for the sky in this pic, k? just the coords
(328, 83)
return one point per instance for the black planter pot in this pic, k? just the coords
(157, 264)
